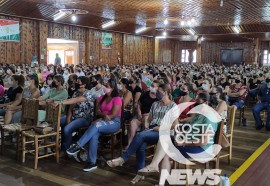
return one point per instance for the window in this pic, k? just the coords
(266, 57)
(185, 56)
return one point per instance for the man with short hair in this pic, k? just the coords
(262, 104)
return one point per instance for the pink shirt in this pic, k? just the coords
(106, 108)
(44, 75)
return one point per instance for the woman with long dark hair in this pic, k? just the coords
(80, 112)
(109, 111)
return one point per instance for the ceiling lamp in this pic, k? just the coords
(182, 23)
(221, 3)
(59, 15)
(164, 33)
(140, 30)
(73, 18)
(236, 29)
(166, 22)
(110, 23)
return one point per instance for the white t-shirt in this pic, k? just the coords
(80, 74)
(66, 76)
(97, 93)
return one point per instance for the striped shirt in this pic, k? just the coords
(158, 111)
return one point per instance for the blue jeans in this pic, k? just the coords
(2, 112)
(189, 149)
(93, 132)
(16, 118)
(256, 113)
(139, 144)
(238, 104)
(253, 93)
(68, 129)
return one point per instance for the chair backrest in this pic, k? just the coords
(230, 119)
(29, 111)
(53, 115)
(219, 133)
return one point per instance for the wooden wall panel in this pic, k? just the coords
(43, 35)
(169, 51)
(138, 50)
(211, 51)
(130, 49)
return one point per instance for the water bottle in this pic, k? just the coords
(225, 129)
(224, 180)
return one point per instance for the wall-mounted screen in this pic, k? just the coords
(9, 30)
(229, 57)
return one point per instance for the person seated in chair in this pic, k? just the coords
(144, 105)
(15, 95)
(80, 112)
(237, 93)
(147, 137)
(110, 110)
(190, 145)
(262, 104)
(30, 91)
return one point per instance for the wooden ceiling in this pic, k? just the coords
(252, 16)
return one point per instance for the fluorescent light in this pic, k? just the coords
(160, 37)
(140, 30)
(191, 31)
(110, 23)
(221, 3)
(182, 23)
(164, 33)
(73, 18)
(59, 15)
(192, 20)
(165, 22)
(236, 30)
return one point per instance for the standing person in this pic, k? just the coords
(57, 60)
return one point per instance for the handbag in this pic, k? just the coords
(43, 128)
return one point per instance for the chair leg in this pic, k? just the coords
(187, 167)
(57, 149)
(112, 146)
(23, 148)
(2, 139)
(217, 163)
(240, 116)
(207, 165)
(36, 152)
(18, 144)
(121, 142)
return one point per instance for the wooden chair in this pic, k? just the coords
(115, 139)
(230, 126)
(242, 115)
(43, 141)
(218, 140)
(29, 120)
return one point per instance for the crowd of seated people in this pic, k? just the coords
(100, 98)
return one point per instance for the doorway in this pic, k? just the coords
(68, 51)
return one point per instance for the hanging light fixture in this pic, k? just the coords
(73, 17)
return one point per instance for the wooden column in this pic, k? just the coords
(199, 51)
(256, 51)
(156, 50)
